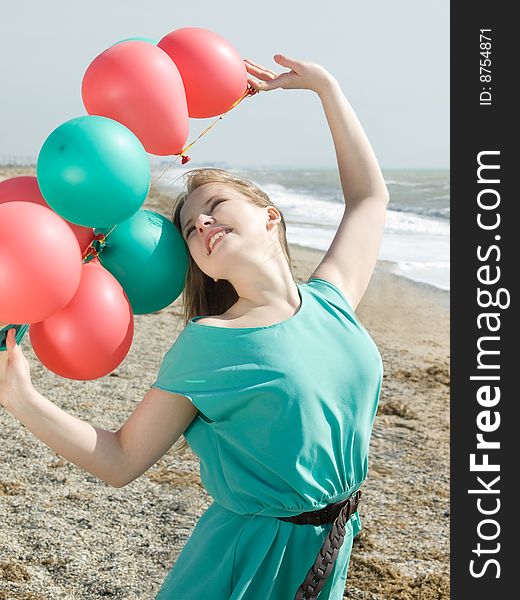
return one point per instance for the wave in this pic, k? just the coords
(401, 221)
(435, 212)
(417, 227)
(322, 204)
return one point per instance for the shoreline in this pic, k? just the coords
(388, 266)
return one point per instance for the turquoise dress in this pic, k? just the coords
(285, 414)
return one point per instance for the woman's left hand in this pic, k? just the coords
(302, 76)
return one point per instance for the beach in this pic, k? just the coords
(67, 535)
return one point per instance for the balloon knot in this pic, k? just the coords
(185, 159)
(95, 247)
(251, 91)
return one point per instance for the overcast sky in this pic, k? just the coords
(391, 58)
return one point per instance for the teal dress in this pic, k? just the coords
(285, 414)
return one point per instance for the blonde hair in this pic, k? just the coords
(201, 294)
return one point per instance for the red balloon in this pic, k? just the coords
(25, 188)
(214, 75)
(92, 335)
(40, 263)
(136, 84)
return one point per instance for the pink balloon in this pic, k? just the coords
(213, 73)
(25, 189)
(136, 84)
(40, 263)
(92, 335)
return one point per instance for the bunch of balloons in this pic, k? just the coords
(78, 255)
(153, 88)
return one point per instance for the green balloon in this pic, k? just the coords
(148, 256)
(93, 171)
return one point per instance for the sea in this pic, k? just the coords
(417, 232)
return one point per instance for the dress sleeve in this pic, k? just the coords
(194, 368)
(176, 375)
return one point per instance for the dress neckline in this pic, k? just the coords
(193, 322)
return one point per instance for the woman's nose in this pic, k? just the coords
(203, 220)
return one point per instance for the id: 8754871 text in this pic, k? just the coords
(485, 67)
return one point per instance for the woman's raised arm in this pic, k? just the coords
(351, 258)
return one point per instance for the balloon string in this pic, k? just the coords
(249, 92)
(167, 168)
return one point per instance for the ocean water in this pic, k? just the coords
(417, 230)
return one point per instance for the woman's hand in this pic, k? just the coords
(303, 75)
(15, 374)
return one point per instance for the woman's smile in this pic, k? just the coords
(218, 238)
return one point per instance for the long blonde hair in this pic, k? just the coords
(201, 294)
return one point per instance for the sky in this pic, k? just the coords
(391, 58)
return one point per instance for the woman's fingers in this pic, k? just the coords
(253, 83)
(261, 74)
(301, 75)
(259, 71)
(282, 80)
(285, 61)
(269, 79)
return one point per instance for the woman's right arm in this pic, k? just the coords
(114, 457)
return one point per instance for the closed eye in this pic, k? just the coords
(212, 206)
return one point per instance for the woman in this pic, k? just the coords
(274, 384)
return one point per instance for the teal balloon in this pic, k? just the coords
(137, 39)
(93, 171)
(148, 256)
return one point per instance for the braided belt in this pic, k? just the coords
(338, 514)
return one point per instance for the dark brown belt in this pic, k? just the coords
(338, 514)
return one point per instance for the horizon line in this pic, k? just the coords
(22, 163)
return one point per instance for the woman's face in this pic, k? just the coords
(249, 230)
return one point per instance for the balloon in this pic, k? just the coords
(40, 263)
(213, 73)
(137, 39)
(148, 257)
(93, 171)
(92, 335)
(136, 84)
(25, 188)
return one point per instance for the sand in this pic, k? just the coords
(67, 535)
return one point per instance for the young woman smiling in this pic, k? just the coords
(274, 384)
